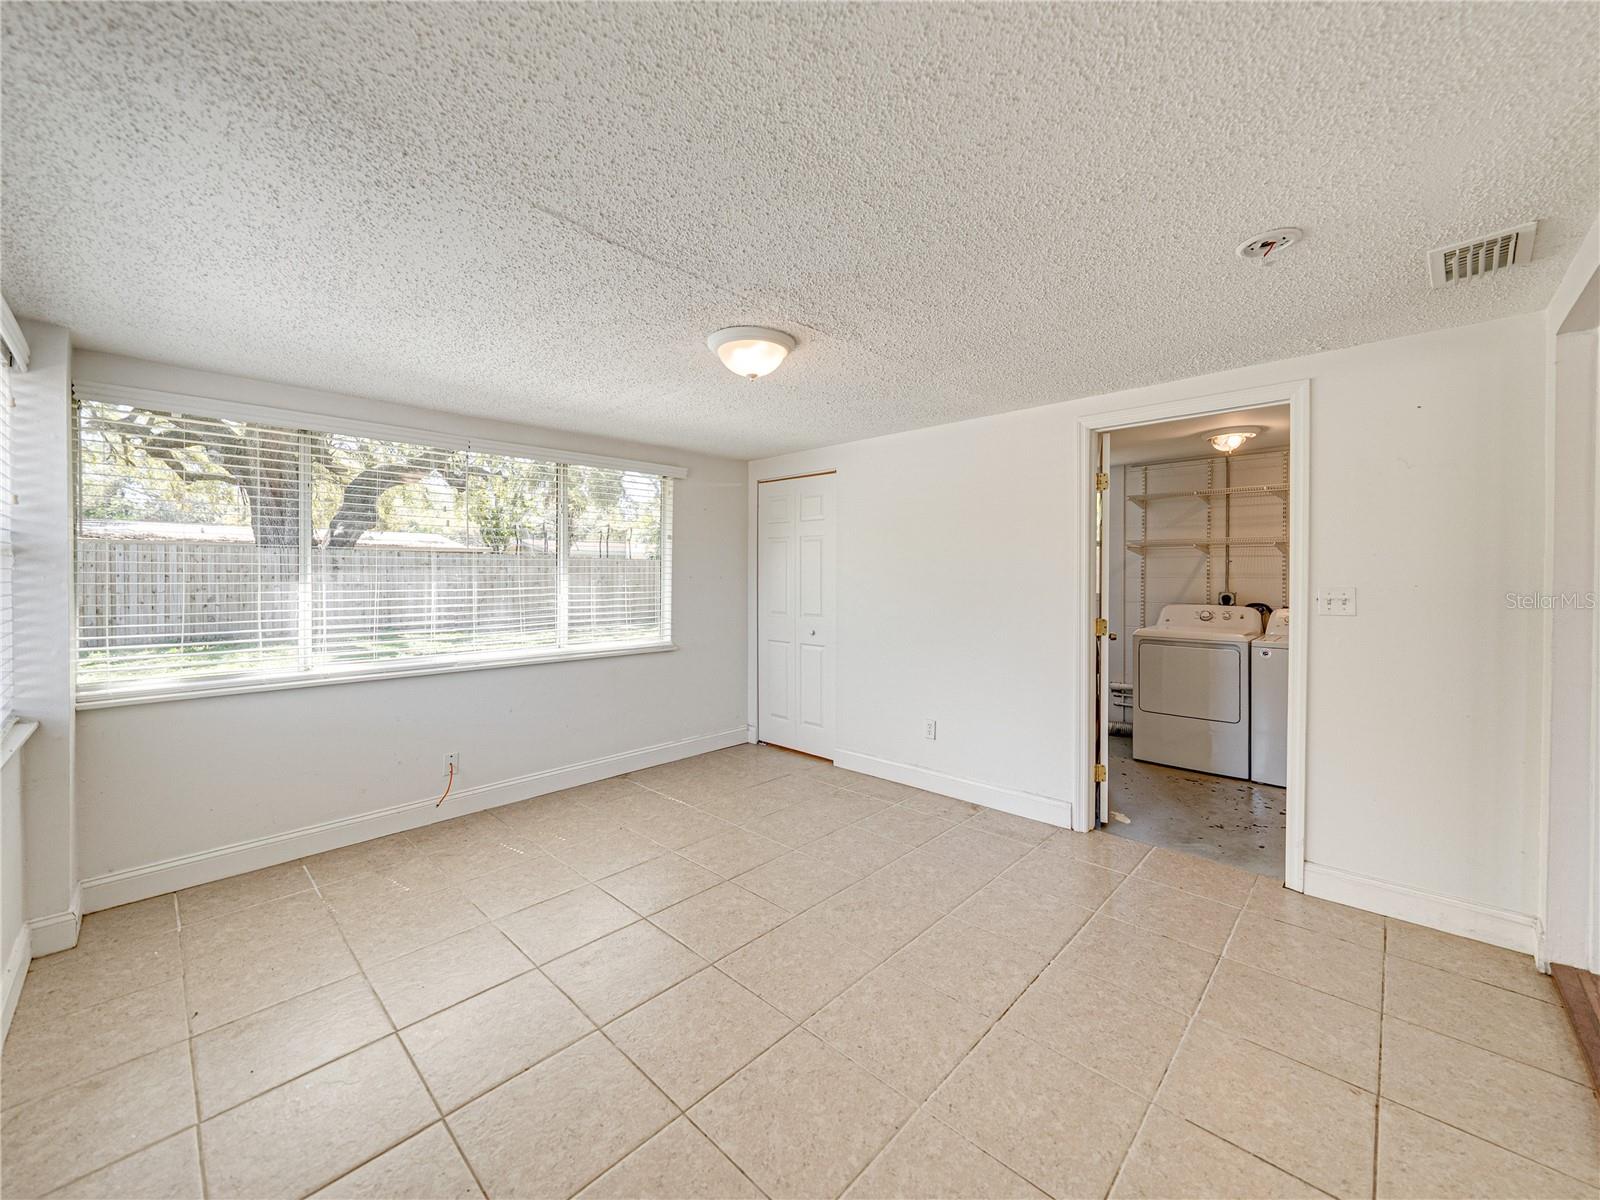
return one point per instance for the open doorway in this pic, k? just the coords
(1194, 555)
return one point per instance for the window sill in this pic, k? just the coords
(397, 670)
(14, 736)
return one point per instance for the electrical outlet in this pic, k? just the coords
(930, 729)
(1337, 602)
(452, 762)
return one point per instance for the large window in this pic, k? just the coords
(215, 552)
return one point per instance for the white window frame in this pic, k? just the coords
(241, 683)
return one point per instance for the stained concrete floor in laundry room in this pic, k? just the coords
(752, 974)
(1229, 821)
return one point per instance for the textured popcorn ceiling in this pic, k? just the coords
(538, 212)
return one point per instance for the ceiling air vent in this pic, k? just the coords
(1480, 256)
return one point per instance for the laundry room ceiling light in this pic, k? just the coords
(751, 350)
(1226, 441)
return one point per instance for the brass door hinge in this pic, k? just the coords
(1099, 772)
(1101, 481)
(1101, 626)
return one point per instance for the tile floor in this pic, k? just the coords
(751, 973)
(1230, 821)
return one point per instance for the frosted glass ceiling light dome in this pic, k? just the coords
(751, 350)
(1226, 441)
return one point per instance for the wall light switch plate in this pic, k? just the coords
(930, 730)
(1337, 602)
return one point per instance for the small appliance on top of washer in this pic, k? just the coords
(1269, 703)
(1191, 688)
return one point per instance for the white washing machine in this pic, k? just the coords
(1269, 703)
(1191, 688)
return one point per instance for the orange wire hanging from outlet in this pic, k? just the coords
(448, 784)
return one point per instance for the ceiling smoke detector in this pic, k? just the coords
(1481, 255)
(1265, 247)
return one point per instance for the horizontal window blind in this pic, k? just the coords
(213, 549)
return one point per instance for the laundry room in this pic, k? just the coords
(1195, 523)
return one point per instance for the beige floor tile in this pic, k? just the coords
(380, 933)
(554, 1128)
(1186, 916)
(548, 820)
(855, 851)
(1309, 1026)
(596, 855)
(86, 976)
(877, 918)
(1318, 960)
(79, 1129)
(211, 900)
(927, 1159)
(932, 879)
(1101, 849)
(1521, 1108)
(1072, 879)
(900, 1029)
(705, 789)
(799, 966)
(143, 918)
(1055, 1123)
(679, 1162)
(1022, 829)
(558, 926)
(464, 1051)
(640, 804)
(622, 970)
(734, 853)
(801, 1120)
(395, 883)
(246, 1057)
(1494, 1018)
(1269, 898)
(378, 855)
(1475, 960)
(537, 877)
(720, 920)
(1169, 972)
(787, 790)
(45, 1052)
(659, 883)
(1172, 1158)
(419, 984)
(462, 864)
(1213, 880)
(249, 960)
(884, 789)
(1035, 919)
(1419, 1158)
(972, 847)
(1130, 1040)
(947, 807)
(310, 1131)
(426, 1166)
(809, 820)
(983, 970)
(1311, 1125)
(904, 825)
(697, 1033)
(169, 1170)
(454, 833)
(680, 825)
(795, 881)
(737, 805)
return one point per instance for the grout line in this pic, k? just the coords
(1377, 1103)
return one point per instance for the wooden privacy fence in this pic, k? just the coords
(154, 593)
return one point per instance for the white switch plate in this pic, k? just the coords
(930, 730)
(1337, 602)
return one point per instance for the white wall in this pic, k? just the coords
(158, 782)
(956, 558)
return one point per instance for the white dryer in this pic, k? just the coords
(1269, 703)
(1191, 688)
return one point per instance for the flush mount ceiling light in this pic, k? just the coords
(1226, 441)
(751, 350)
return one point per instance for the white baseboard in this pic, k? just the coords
(17, 960)
(1022, 804)
(155, 879)
(58, 931)
(1465, 918)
